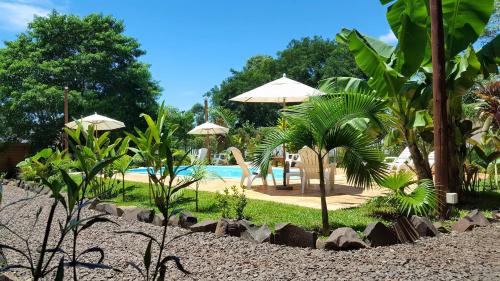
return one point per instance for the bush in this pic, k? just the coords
(232, 205)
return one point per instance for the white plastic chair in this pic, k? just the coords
(200, 155)
(220, 159)
(399, 162)
(310, 169)
(247, 174)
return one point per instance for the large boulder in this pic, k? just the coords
(294, 236)
(344, 238)
(424, 226)
(476, 217)
(110, 209)
(463, 225)
(377, 234)
(257, 234)
(204, 226)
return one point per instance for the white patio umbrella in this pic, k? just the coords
(99, 122)
(208, 128)
(283, 90)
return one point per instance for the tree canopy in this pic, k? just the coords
(91, 56)
(308, 60)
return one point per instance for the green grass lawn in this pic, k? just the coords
(258, 211)
(271, 213)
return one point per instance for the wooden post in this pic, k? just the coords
(284, 148)
(439, 104)
(66, 116)
(207, 137)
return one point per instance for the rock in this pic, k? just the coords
(173, 221)
(109, 209)
(186, 219)
(204, 226)
(440, 227)
(138, 214)
(294, 236)
(477, 218)
(344, 238)
(228, 227)
(158, 220)
(8, 276)
(463, 225)
(377, 234)
(424, 226)
(405, 231)
(320, 244)
(94, 203)
(495, 215)
(257, 234)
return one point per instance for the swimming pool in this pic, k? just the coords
(216, 171)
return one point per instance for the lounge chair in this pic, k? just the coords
(200, 155)
(309, 169)
(220, 159)
(247, 174)
(403, 161)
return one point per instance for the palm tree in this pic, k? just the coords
(330, 122)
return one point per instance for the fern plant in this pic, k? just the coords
(410, 197)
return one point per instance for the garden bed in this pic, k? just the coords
(472, 255)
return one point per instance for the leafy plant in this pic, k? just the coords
(325, 123)
(123, 164)
(241, 202)
(409, 199)
(232, 205)
(159, 149)
(50, 167)
(223, 202)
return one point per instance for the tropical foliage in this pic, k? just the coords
(325, 124)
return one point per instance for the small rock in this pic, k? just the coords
(320, 244)
(173, 221)
(94, 203)
(496, 215)
(344, 238)
(186, 219)
(8, 276)
(477, 218)
(204, 226)
(424, 226)
(257, 234)
(377, 234)
(109, 209)
(294, 236)
(228, 227)
(158, 220)
(463, 225)
(405, 231)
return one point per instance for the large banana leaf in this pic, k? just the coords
(384, 79)
(464, 21)
(464, 72)
(489, 56)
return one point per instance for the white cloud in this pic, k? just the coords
(15, 15)
(389, 37)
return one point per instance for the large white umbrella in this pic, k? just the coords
(208, 128)
(99, 122)
(283, 90)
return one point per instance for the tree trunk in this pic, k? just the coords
(324, 207)
(422, 167)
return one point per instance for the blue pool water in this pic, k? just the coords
(216, 171)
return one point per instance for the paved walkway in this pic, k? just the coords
(342, 195)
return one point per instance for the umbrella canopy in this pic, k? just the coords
(282, 90)
(208, 128)
(99, 122)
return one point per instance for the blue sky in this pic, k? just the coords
(192, 45)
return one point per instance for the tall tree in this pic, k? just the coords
(308, 60)
(91, 56)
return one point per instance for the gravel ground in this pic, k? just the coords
(470, 256)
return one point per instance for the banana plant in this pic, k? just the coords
(402, 74)
(123, 164)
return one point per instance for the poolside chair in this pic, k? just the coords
(200, 155)
(309, 168)
(403, 161)
(220, 159)
(247, 174)
(431, 159)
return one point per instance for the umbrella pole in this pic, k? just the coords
(284, 149)
(207, 137)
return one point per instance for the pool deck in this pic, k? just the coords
(342, 195)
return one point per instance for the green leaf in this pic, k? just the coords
(489, 57)
(73, 190)
(60, 270)
(464, 22)
(422, 119)
(147, 256)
